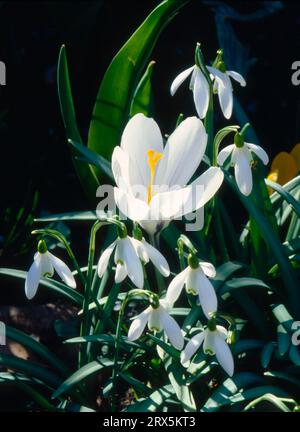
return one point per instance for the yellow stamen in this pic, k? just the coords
(153, 158)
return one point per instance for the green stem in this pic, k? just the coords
(154, 240)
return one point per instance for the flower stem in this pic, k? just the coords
(154, 240)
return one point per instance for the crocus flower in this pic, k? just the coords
(200, 88)
(158, 319)
(241, 158)
(214, 343)
(151, 179)
(195, 279)
(44, 265)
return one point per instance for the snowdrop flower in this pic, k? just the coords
(214, 343)
(44, 265)
(158, 319)
(200, 87)
(151, 179)
(196, 282)
(241, 158)
(146, 252)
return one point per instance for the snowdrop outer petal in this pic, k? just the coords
(224, 153)
(222, 331)
(172, 330)
(180, 79)
(140, 249)
(223, 354)
(192, 346)
(208, 269)
(138, 325)
(237, 77)
(175, 287)
(157, 259)
(200, 93)
(259, 151)
(242, 170)
(33, 278)
(133, 264)
(104, 259)
(62, 270)
(207, 295)
(225, 96)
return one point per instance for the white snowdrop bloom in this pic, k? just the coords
(195, 279)
(214, 343)
(158, 319)
(241, 159)
(147, 252)
(152, 179)
(43, 265)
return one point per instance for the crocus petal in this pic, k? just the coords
(179, 80)
(120, 167)
(243, 173)
(207, 295)
(208, 269)
(138, 325)
(192, 346)
(140, 135)
(177, 166)
(62, 270)
(172, 204)
(127, 253)
(223, 155)
(46, 266)
(133, 208)
(157, 259)
(237, 77)
(33, 278)
(175, 287)
(259, 151)
(205, 187)
(172, 329)
(201, 93)
(223, 354)
(104, 259)
(121, 273)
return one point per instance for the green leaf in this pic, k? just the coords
(81, 374)
(70, 216)
(86, 176)
(142, 101)
(112, 107)
(58, 287)
(136, 384)
(154, 402)
(242, 282)
(266, 354)
(286, 195)
(283, 339)
(169, 349)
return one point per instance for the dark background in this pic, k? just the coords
(34, 152)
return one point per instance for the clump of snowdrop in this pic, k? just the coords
(195, 278)
(213, 339)
(44, 265)
(241, 158)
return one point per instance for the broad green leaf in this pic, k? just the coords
(283, 339)
(58, 287)
(266, 354)
(136, 384)
(286, 195)
(70, 216)
(86, 176)
(112, 107)
(142, 101)
(242, 282)
(154, 402)
(268, 397)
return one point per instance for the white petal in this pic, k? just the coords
(205, 187)
(63, 270)
(192, 281)
(259, 151)
(223, 155)
(157, 259)
(133, 208)
(208, 269)
(140, 249)
(175, 287)
(172, 329)
(177, 166)
(209, 346)
(154, 321)
(133, 264)
(121, 273)
(225, 96)
(179, 80)
(201, 93)
(46, 266)
(223, 354)
(237, 77)
(33, 278)
(140, 135)
(138, 325)
(120, 167)
(172, 204)
(243, 173)
(104, 259)
(192, 346)
(222, 331)
(207, 295)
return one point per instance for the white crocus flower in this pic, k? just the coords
(200, 88)
(44, 265)
(195, 279)
(214, 343)
(241, 159)
(158, 319)
(151, 179)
